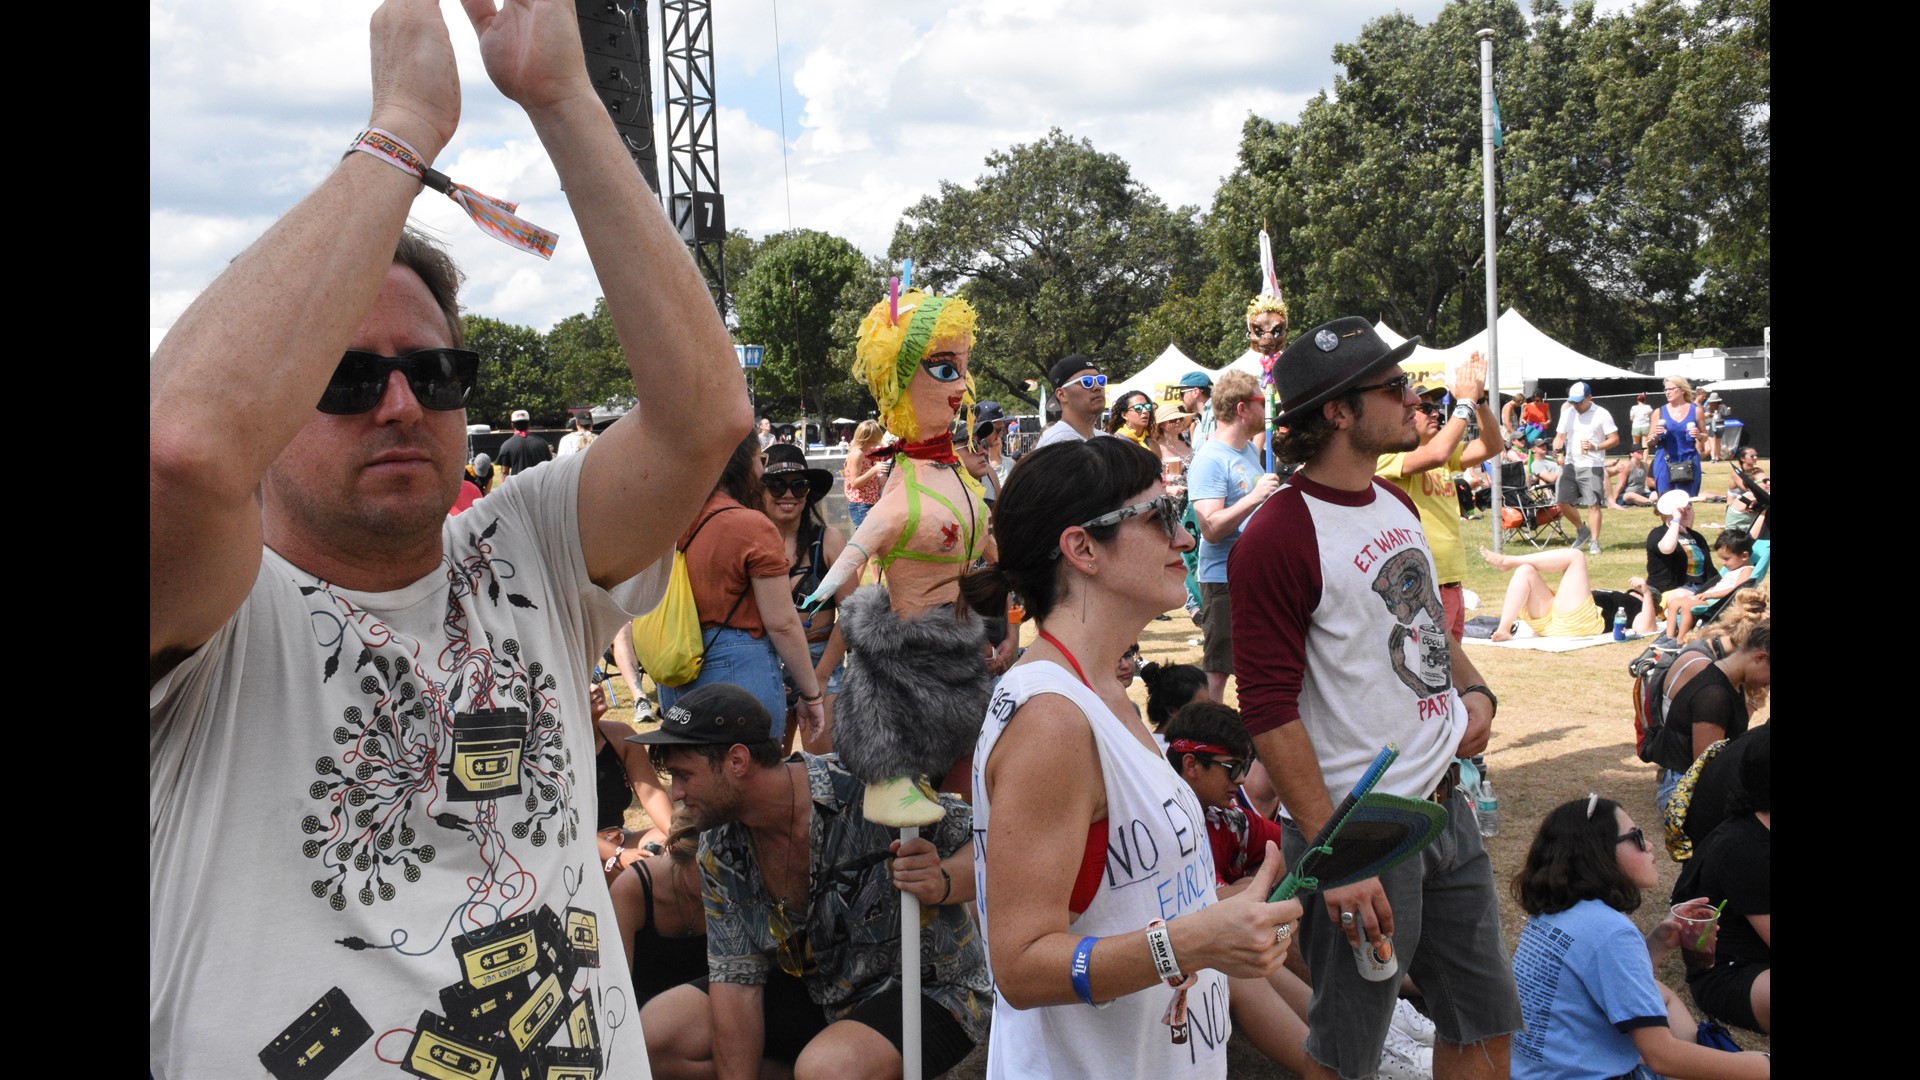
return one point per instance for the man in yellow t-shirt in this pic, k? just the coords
(1426, 475)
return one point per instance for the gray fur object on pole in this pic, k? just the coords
(915, 690)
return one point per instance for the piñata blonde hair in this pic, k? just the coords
(1266, 302)
(893, 339)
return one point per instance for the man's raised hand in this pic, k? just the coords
(416, 86)
(531, 49)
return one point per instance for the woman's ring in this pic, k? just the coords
(1346, 918)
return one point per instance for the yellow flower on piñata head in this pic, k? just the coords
(894, 338)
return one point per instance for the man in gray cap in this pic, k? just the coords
(1586, 433)
(1081, 391)
(1340, 648)
(803, 916)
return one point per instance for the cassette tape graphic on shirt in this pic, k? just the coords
(479, 1010)
(439, 1051)
(568, 1063)
(583, 933)
(493, 955)
(539, 1016)
(556, 951)
(486, 754)
(317, 1043)
(583, 1030)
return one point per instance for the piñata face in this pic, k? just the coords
(940, 383)
(1267, 331)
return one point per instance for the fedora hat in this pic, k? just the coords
(1328, 360)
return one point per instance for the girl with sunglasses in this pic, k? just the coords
(1071, 793)
(1586, 973)
(790, 494)
(1131, 417)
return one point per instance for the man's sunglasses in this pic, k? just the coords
(1088, 382)
(781, 486)
(1166, 506)
(1429, 408)
(441, 380)
(1397, 385)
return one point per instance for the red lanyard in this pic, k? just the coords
(1055, 642)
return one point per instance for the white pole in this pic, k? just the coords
(1493, 269)
(909, 974)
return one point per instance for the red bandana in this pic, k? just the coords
(938, 449)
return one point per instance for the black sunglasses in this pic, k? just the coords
(1636, 834)
(1237, 768)
(441, 380)
(786, 485)
(1141, 407)
(1429, 408)
(1397, 385)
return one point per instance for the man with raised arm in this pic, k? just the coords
(1340, 648)
(370, 800)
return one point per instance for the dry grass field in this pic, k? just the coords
(1564, 727)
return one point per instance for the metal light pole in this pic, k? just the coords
(1493, 269)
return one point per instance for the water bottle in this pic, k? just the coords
(1620, 624)
(1486, 807)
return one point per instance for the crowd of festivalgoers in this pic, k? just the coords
(375, 842)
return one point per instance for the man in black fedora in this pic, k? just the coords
(803, 912)
(1340, 647)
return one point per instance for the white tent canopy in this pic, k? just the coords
(1168, 367)
(1527, 353)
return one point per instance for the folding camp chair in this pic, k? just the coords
(1529, 511)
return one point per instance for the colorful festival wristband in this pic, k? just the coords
(1082, 963)
(495, 217)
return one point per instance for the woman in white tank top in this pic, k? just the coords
(1110, 953)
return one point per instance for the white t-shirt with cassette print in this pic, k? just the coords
(371, 818)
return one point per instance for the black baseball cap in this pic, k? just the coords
(718, 714)
(1068, 366)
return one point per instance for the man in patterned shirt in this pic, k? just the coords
(803, 924)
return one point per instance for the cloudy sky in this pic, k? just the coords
(252, 101)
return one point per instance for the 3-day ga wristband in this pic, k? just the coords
(1082, 964)
(1160, 945)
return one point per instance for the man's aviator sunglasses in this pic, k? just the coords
(1166, 506)
(441, 380)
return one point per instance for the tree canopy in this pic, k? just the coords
(1058, 248)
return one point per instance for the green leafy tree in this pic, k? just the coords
(586, 365)
(514, 373)
(789, 302)
(1059, 249)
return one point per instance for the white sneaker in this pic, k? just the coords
(1593, 548)
(1404, 1059)
(1412, 1023)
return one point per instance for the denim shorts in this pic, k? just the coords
(858, 512)
(737, 657)
(1446, 932)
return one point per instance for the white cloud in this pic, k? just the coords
(251, 103)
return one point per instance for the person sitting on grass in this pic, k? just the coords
(1633, 484)
(1586, 974)
(1208, 745)
(1734, 865)
(1570, 612)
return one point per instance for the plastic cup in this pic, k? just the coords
(1697, 920)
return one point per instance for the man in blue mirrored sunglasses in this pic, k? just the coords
(1081, 392)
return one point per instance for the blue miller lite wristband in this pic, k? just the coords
(1082, 961)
